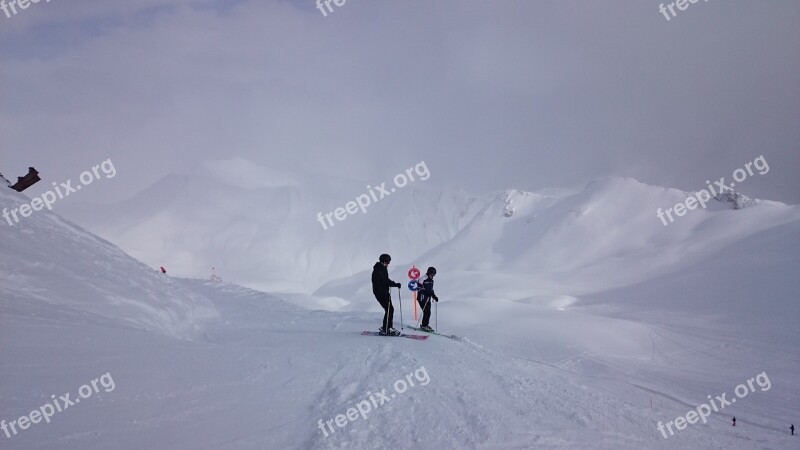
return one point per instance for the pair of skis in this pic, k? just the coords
(414, 336)
(410, 336)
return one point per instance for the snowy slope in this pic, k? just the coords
(268, 372)
(266, 377)
(570, 354)
(722, 321)
(41, 256)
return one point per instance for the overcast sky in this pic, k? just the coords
(491, 94)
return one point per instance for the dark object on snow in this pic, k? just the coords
(27, 181)
(792, 428)
(163, 270)
(734, 421)
(380, 280)
(380, 288)
(426, 294)
(5, 179)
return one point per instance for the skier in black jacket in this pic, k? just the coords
(380, 287)
(426, 294)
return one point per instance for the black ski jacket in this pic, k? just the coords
(380, 280)
(426, 291)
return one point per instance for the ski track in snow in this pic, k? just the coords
(268, 372)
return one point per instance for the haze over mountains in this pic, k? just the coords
(259, 229)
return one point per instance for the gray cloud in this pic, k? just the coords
(492, 94)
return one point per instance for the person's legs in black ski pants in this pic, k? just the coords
(425, 304)
(388, 315)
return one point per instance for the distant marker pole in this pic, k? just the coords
(413, 286)
(413, 274)
(415, 307)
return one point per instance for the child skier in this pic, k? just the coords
(426, 294)
(381, 285)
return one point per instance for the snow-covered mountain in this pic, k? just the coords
(266, 235)
(586, 323)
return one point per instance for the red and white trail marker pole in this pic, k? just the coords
(413, 285)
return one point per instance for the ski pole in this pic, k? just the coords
(400, 296)
(437, 314)
(386, 315)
